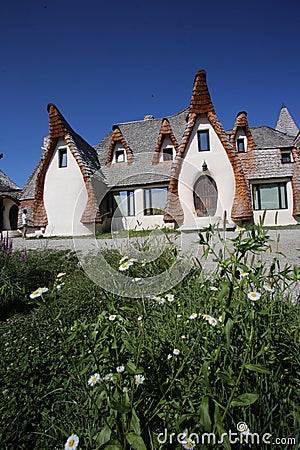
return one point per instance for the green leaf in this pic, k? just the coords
(257, 368)
(224, 290)
(120, 407)
(205, 420)
(104, 435)
(131, 367)
(135, 441)
(244, 399)
(228, 328)
(225, 378)
(113, 445)
(135, 423)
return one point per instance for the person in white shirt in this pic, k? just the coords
(24, 223)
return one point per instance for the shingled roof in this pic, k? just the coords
(141, 138)
(285, 123)
(8, 187)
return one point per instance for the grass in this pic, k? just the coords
(206, 355)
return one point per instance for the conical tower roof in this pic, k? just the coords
(285, 123)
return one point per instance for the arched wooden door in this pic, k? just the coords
(205, 196)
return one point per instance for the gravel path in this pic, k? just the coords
(288, 244)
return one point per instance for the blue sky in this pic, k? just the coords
(104, 62)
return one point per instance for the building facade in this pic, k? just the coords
(182, 171)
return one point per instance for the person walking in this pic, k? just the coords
(24, 223)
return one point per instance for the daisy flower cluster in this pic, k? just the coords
(253, 295)
(161, 300)
(125, 263)
(211, 320)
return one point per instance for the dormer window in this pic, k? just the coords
(62, 157)
(286, 156)
(167, 154)
(119, 155)
(240, 144)
(203, 140)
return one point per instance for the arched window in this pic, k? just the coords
(205, 196)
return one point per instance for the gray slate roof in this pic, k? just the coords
(141, 136)
(8, 187)
(285, 123)
(266, 137)
(29, 188)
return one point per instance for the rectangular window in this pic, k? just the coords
(269, 196)
(240, 143)
(120, 156)
(121, 203)
(62, 157)
(155, 200)
(286, 157)
(203, 140)
(167, 154)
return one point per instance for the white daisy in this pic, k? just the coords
(206, 316)
(60, 274)
(120, 369)
(43, 289)
(213, 288)
(243, 428)
(35, 294)
(169, 297)
(112, 317)
(254, 296)
(124, 258)
(125, 266)
(94, 379)
(108, 377)
(160, 300)
(139, 379)
(169, 356)
(268, 288)
(244, 274)
(38, 292)
(212, 321)
(72, 442)
(193, 316)
(176, 352)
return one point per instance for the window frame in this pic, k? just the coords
(203, 133)
(239, 141)
(152, 210)
(167, 151)
(62, 156)
(282, 200)
(120, 151)
(285, 153)
(112, 205)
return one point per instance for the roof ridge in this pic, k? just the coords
(151, 120)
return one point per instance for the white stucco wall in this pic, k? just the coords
(219, 168)
(63, 188)
(7, 203)
(284, 216)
